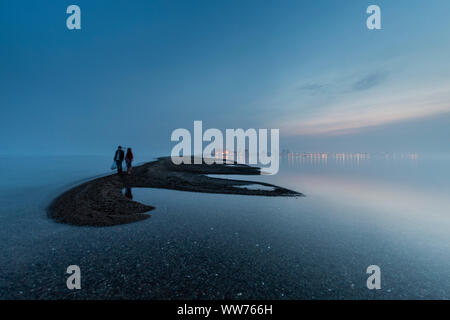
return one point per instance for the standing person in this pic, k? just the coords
(129, 160)
(118, 158)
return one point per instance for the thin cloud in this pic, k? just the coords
(346, 85)
(350, 118)
(311, 87)
(369, 81)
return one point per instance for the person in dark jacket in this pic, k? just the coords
(129, 160)
(118, 158)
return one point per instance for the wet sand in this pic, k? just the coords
(100, 202)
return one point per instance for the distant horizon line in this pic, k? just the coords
(283, 151)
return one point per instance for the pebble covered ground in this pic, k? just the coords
(198, 246)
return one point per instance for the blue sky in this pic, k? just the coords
(140, 69)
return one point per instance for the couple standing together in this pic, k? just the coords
(119, 156)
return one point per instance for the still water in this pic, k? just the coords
(387, 210)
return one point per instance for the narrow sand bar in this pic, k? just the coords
(100, 202)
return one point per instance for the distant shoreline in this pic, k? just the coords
(100, 202)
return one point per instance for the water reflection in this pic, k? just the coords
(381, 196)
(127, 193)
(386, 213)
(342, 159)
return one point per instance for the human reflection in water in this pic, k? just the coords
(128, 193)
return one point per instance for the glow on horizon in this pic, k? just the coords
(350, 118)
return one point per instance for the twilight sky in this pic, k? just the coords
(137, 70)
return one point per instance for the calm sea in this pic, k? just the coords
(390, 210)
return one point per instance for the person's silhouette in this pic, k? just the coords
(128, 160)
(118, 158)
